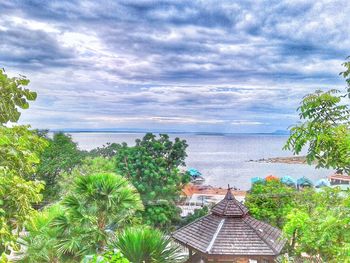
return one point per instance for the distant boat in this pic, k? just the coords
(322, 183)
(196, 176)
(304, 182)
(287, 180)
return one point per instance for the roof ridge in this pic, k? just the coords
(212, 241)
(259, 234)
(225, 209)
(239, 206)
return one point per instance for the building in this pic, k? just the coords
(336, 179)
(230, 234)
(197, 196)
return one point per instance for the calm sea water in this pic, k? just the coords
(222, 159)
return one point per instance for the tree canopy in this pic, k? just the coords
(321, 229)
(325, 129)
(314, 222)
(270, 201)
(98, 205)
(61, 155)
(20, 149)
(152, 165)
(13, 95)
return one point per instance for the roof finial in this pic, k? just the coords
(229, 194)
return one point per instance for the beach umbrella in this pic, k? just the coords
(287, 180)
(194, 172)
(304, 182)
(271, 178)
(255, 180)
(322, 183)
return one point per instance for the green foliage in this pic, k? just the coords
(41, 241)
(316, 223)
(20, 149)
(98, 205)
(16, 198)
(13, 96)
(87, 166)
(270, 201)
(107, 151)
(196, 214)
(346, 75)
(61, 155)
(152, 165)
(326, 128)
(19, 155)
(107, 257)
(322, 231)
(146, 245)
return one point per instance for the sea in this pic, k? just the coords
(222, 159)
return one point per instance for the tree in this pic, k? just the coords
(20, 150)
(326, 128)
(87, 166)
(61, 155)
(98, 205)
(19, 155)
(147, 245)
(197, 213)
(13, 95)
(109, 150)
(322, 232)
(41, 241)
(270, 201)
(152, 165)
(16, 198)
(315, 223)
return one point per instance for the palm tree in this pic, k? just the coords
(98, 205)
(39, 245)
(147, 245)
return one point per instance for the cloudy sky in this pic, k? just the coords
(215, 66)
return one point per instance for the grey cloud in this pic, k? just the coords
(135, 58)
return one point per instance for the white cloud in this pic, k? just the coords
(170, 64)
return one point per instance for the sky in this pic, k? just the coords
(195, 66)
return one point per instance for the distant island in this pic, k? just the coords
(287, 160)
(135, 130)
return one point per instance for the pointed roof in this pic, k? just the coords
(229, 230)
(229, 207)
(304, 181)
(287, 180)
(322, 183)
(255, 180)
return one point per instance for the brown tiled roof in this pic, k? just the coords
(230, 230)
(229, 206)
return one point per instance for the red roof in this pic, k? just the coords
(191, 189)
(341, 177)
(271, 178)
